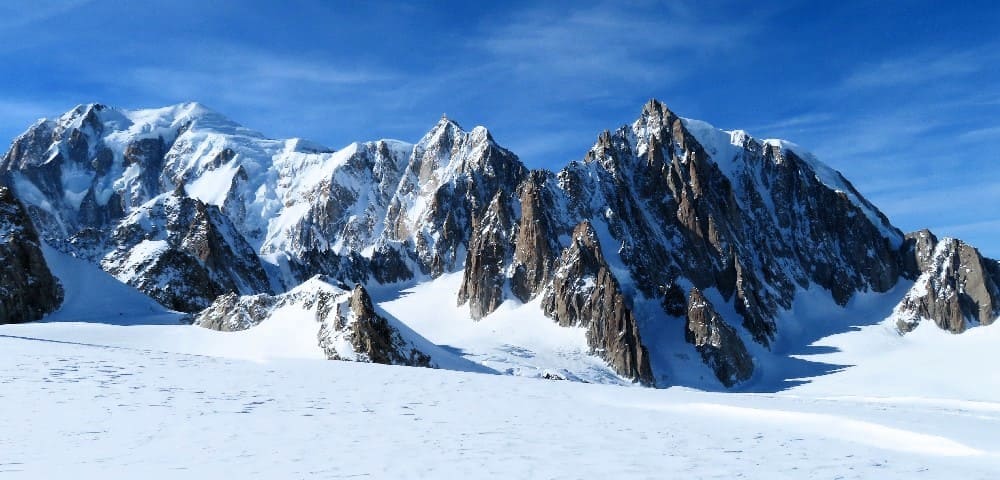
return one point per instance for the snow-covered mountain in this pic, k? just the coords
(346, 323)
(678, 250)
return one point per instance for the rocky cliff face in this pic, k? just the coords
(371, 337)
(183, 253)
(956, 288)
(585, 293)
(27, 288)
(346, 322)
(535, 244)
(679, 203)
(489, 251)
(717, 342)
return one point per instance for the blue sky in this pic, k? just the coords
(901, 96)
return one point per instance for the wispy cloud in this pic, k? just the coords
(245, 72)
(21, 14)
(979, 134)
(875, 132)
(922, 68)
(608, 41)
(799, 122)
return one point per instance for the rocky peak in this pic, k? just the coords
(82, 118)
(717, 342)
(183, 253)
(537, 240)
(373, 339)
(918, 251)
(656, 121)
(450, 180)
(490, 248)
(956, 288)
(585, 293)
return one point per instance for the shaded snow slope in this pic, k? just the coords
(517, 339)
(91, 295)
(321, 315)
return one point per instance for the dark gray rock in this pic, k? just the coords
(375, 340)
(28, 290)
(489, 250)
(232, 313)
(536, 244)
(717, 342)
(585, 293)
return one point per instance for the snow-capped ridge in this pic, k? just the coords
(181, 195)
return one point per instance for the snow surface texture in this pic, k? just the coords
(72, 403)
(131, 392)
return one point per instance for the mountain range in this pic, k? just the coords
(672, 252)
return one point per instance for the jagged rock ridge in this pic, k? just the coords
(654, 212)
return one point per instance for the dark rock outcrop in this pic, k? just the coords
(373, 338)
(348, 326)
(585, 293)
(957, 287)
(717, 342)
(28, 290)
(489, 250)
(536, 244)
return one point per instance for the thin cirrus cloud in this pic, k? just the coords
(923, 68)
(244, 73)
(980, 134)
(21, 14)
(628, 45)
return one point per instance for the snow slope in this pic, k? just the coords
(129, 411)
(517, 339)
(91, 295)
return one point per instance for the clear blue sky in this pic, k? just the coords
(901, 96)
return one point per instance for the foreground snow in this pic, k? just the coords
(114, 385)
(131, 410)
